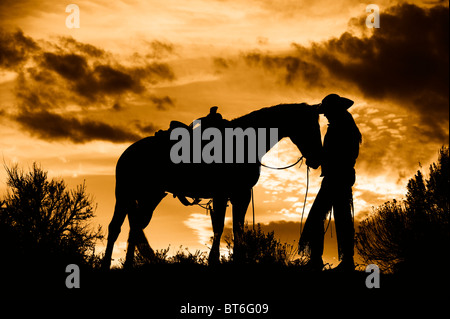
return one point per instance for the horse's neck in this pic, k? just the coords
(268, 120)
(263, 118)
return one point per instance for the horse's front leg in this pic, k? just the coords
(240, 201)
(218, 220)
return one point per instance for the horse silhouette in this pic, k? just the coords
(145, 174)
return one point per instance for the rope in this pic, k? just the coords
(304, 202)
(253, 209)
(208, 206)
(278, 168)
(185, 201)
(284, 167)
(196, 201)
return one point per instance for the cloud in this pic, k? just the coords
(154, 72)
(74, 45)
(146, 128)
(159, 49)
(404, 62)
(66, 81)
(201, 225)
(397, 75)
(69, 66)
(292, 67)
(103, 79)
(53, 127)
(15, 49)
(162, 103)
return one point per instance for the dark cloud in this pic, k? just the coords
(154, 72)
(69, 66)
(68, 73)
(221, 64)
(405, 61)
(146, 128)
(91, 82)
(94, 82)
(159, 49)
(162, 103)
(15, 49)
(38, 114)
(106, 80)
(53, 127)
(293, 67)
(117, 107)
(74, 45)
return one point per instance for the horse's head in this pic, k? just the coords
(305, 133)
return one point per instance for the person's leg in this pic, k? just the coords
(345, 231)
(312, 237)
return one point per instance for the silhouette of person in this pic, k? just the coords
(340, 151)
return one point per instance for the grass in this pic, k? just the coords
(182, 277)
(271, 272)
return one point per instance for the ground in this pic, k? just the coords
(174, 285)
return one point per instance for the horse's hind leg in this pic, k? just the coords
(218, 219)
(120, 212)
(139, 218)
(240, 201)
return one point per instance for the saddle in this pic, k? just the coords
(213, 119)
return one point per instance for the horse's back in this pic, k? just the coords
(145, 165)
(140, 162)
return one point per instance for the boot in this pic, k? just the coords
(314, 264)
(347, 265)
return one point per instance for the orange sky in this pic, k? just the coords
(74, 99)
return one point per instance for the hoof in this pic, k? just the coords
(106, 265)
(213, 259)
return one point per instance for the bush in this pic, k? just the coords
(182, 257)
(41, 222)
(258, 247)
(415, 233)
(261, 248)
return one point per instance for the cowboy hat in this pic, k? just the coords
(334, 102)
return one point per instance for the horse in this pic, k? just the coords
(146, 173)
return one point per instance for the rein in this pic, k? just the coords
(304, 202)
(284, 167)
(306, 193)
(209, 207)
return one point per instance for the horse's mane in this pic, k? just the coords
(268, 115)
